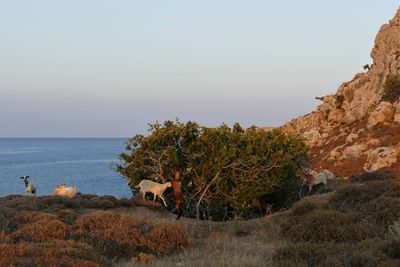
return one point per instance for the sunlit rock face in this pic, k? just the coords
(349, 127)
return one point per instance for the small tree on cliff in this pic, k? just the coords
(391, 88)
(227, 169)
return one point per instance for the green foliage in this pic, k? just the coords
(228, 169)
(391, 88)
(394, 229)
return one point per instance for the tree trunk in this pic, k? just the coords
(203, 194)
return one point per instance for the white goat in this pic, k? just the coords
(30, 187)
(147, 186)
(315, 178)
(65, 191)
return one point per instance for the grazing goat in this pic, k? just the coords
(315, 178)
(65, 191)
(147, 186)
(30, 188)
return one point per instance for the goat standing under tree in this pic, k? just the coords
(176, 185)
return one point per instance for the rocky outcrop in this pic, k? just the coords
(381, 157)
(349, 126)
(384, 112)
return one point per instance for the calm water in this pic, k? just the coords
(83, 162)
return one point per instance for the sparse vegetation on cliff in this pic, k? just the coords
(391, 88)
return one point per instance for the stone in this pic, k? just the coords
(353, 152)
(397, 112)
(384, 112)
(351, 137)
(313, 137)
(380, 157)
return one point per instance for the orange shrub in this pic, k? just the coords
(41, 231)
(125, 236)
(71, 254)
(27, 217)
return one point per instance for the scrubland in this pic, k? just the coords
(356, 223)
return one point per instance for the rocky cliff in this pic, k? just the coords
(353, 130)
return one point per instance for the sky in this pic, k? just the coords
(98, 68)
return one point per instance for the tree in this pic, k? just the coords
(391, 88)
(224, 170)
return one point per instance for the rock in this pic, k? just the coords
(351, 137)
(384, 112)
(334, 154)
(341, 119)
(313, 137)
(353, 152)
(373, 142)
(397, 112)
(380, 157)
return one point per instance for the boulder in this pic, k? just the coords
(380, 157)
(313, 137)
(384, 112)
(353, 152)
(351, 137)
(397, 112)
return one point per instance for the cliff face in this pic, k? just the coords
(353, 130)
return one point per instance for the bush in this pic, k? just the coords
(394, 230)
(303, 207)
(41, 231)
(383, 212)
(366, 253)
(392, 249)
(391, 88)
(63, 253)
(228, 168)
(354, 196)
(27, 217)
(325, 226)
(371, 176)
(124, 236)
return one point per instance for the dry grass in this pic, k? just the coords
(60, 236)
(346, 227)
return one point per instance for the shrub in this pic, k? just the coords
(354, 196)
(228, 168)
(303, 207)
(63, 253)
(371, 176)
(27, 217)
(392, 248)
(383, 212)
(391, 88)
(366, 253)
(325, 226)
(394, 229)
(124, 236)
(41, 231)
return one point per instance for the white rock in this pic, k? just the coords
(351, 137)
(381, 157)
(384, 112)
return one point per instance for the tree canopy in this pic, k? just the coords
(224, 170)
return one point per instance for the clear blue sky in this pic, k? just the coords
(107, 68)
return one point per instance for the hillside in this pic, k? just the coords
(355, 224)
(353, 131)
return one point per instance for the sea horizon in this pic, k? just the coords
(85, 162)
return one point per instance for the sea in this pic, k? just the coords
(87, 163)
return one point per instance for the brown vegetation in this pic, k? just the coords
(50, 233)
(355, 224)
